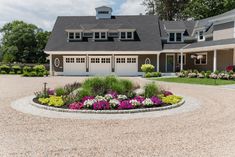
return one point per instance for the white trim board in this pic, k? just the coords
(101, 52)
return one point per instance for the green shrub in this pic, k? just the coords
(97, 85)
(208, 73)
(16, 68)
(3, 72)
(11, 72)
(148, 75)
(156, 74)
(84, 92)
(19, 72)
(26, 74)
(27, 69)
(127, 84)
(33, 74)
(150, 90)
(5, 68)
(46, 73)
(119, 88)
(40, 74)
(147, 68)
(59, 91)
(39, 69)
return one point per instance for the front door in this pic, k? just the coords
(170, 62)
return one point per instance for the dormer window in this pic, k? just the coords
(175, 37)
(103, 12)
(74, 35)
(127, 35)
(201, 36)
(100, 35)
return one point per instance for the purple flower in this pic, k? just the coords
(50, 91)
(167, 93)
(139, 99)
(156, 101)
(87, 98)
(113, 93)
(125, 105)
(76, 106)
(101, 105)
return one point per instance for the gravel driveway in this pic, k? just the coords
(207, 131)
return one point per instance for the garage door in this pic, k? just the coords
(74, 65)
(126, 65)
(100, 65)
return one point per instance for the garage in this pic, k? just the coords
(126, 65)
(74, 65)
(100, 65)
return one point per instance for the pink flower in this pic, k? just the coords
(167, 93)
(101, 105)
(76, 106)
(156, 101)
(87, 98)
(50, 91)
(125, 105)
(139, 99)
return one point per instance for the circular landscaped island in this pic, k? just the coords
(106, 95)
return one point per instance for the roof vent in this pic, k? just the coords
(103, 12)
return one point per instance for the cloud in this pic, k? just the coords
(132, 7)
(43, 13)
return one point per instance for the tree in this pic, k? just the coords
(23, 42)
(166, 9)
(200, 9)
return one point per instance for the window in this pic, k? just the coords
(69, 60)
(200, 36)
(123, 60)
(71, 35)
(128, 60)
(102, 60)
(103, 12)
(108, 60)
(57, 62)
(80, 60)
(179, 59)
(178, 36)
(172, 37)
(126, 35)
(97, 60)
(74, 35)
(147, 61)
(201, 59)
(118, 60)
(100, 35)
(92, 60)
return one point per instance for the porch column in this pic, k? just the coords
(181, 61)
(215, 61)
(51, 70)
(158, 62)
(113, 63)
(234, 56)
(87, 63)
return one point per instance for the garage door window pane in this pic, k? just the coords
(97, 60)
(128, 60)
(78, 60)
(92, 60)
(72, 60)
(123, 60)
(102, 60)
(107, 60)
(133, 60)
(82, 60)
(118, 60)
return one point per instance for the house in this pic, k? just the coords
(106, 44)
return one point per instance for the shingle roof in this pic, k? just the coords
(148, 35)
(173, 46)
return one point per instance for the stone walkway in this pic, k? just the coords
(206, 131)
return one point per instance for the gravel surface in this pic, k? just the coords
(207, 131)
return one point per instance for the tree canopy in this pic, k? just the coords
(183, 9)
(23, 42)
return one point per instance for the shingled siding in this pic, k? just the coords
(224, 59)
(61, 67)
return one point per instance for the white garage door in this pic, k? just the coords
(100, 65)
(126, 65)
(74, 65)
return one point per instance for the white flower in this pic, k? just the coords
(88, 103)
(122, 97)
(147, 102)
(114, 103)
(99, 98)
(108, 97)
(135, 103)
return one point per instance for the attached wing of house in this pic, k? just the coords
(105, 44)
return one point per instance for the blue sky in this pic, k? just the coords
(43, 13)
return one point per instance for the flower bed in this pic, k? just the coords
(225, 75)
(107, 93)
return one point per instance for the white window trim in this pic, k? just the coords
(201, 59)
(126, 38)
(198, 35)
(74, 36)
(147, 59)
(106, 36)
(185, 59)
(175, 40)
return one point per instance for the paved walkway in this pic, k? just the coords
(206, 131)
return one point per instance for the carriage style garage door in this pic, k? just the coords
(74, 65)
(100, 65)
(126, 65)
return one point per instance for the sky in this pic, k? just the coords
(43, 13)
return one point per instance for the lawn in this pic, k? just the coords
(204, 81)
